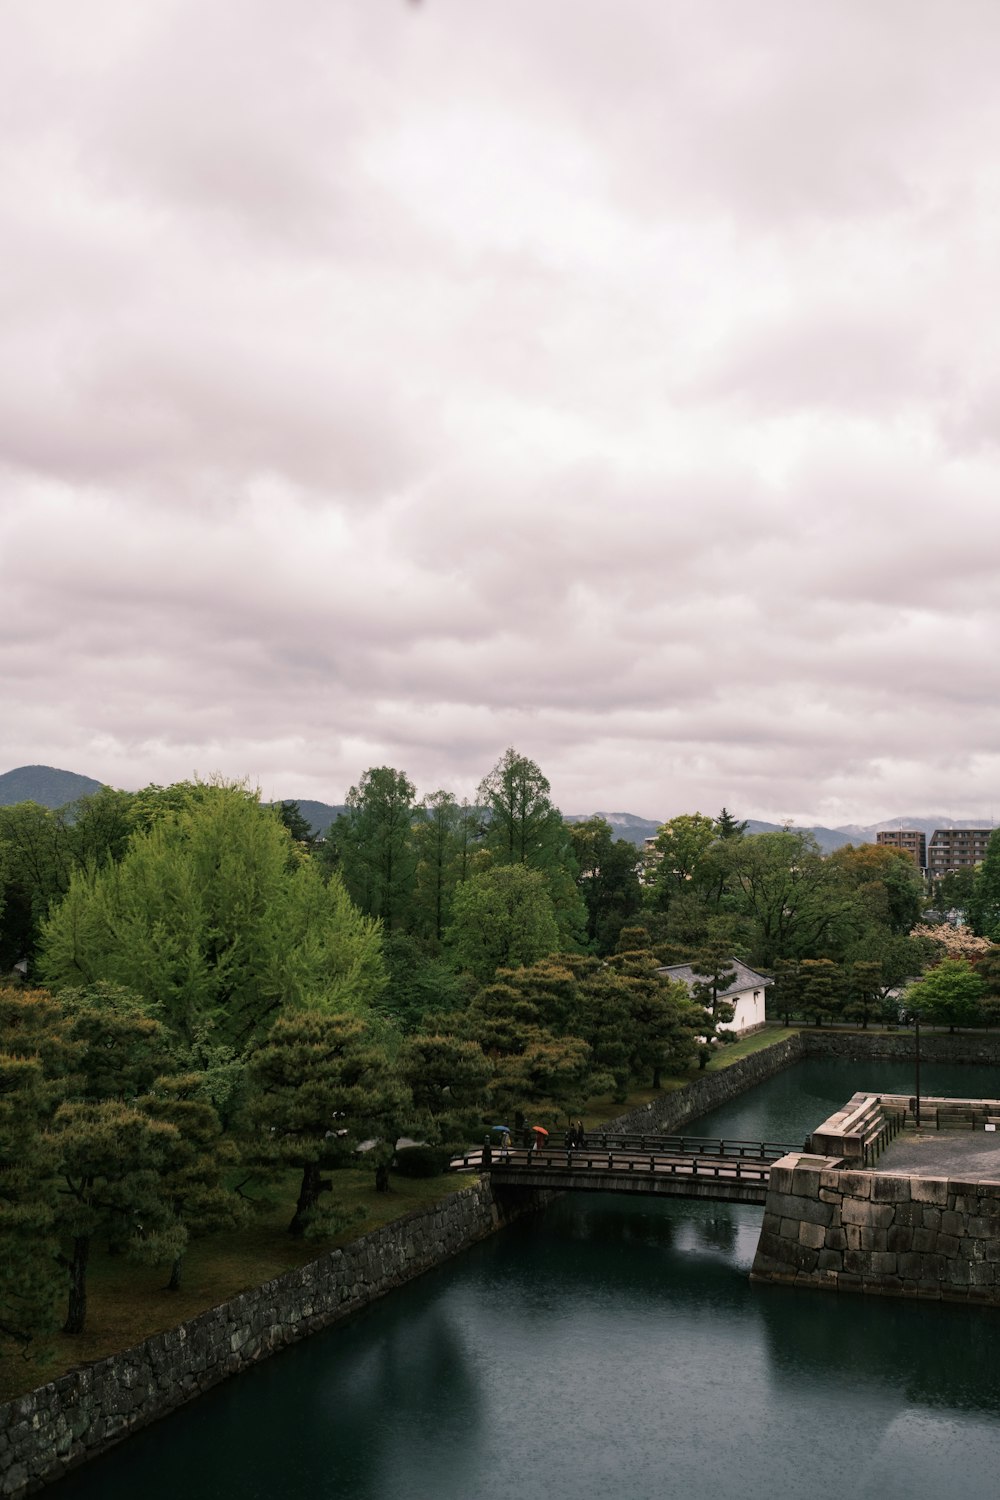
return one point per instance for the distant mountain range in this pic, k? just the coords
(53, 788)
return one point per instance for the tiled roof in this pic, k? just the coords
(744, 978)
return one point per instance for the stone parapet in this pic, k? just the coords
(838, 1228)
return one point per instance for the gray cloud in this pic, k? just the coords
(396, 383)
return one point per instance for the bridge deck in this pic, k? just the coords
(733, 1172)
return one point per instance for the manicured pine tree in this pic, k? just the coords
(196, 1165)
(320, 1084)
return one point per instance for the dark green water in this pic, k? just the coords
(610, 1347)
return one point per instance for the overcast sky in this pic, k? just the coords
(387, 383)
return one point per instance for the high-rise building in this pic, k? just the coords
(913, 840)
(956, 849)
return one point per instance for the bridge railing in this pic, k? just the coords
(692, 1162)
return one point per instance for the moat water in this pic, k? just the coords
(609, 1349)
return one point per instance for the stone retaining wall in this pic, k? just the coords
(84, 1412)
(871, 1232)
(670, 1112)
(900, 1046)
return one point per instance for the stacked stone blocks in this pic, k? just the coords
(846, 1230)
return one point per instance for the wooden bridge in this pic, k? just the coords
(678, 1166)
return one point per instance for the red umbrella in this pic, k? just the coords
(540, 1129)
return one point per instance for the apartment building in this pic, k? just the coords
(956, 849)
(913, 840)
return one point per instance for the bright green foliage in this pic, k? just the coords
(376, 843)
(983, 908)
(524, 827)
(322, 1084)
(608, 881)
(683, 846)
(950, 994)
(502, 918)
(214, 917)
(111, 1156)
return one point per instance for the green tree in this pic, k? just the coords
(888, 885)
(863, 991)
(291, 817)
(713, 971)
(728, 827)
(449, 1078)
(195, 1168)
(35, 1056)
(797, 904)
(822, 989)
(608, 880)
(785, 999)
(983, 906)
(419, 983)
(522, 826)
(321, 1085)
(215, 916)
(665, 1020)
(111, 1156)
(950, 994)
(439, 845)
(377, 844)
(682, 848)
(35, 867)
(502, 917)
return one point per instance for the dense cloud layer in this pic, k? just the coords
(391, 383)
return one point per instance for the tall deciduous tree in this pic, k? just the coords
(502, 917)
(214, 915)
(608, 881)
(796, 902)
(983, 907)
(439, 852)
(377, 844)
(682, 846)
(950, 994)
(524, 827)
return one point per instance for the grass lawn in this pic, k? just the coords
(127, 1303)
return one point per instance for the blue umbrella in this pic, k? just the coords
(504, 1128)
